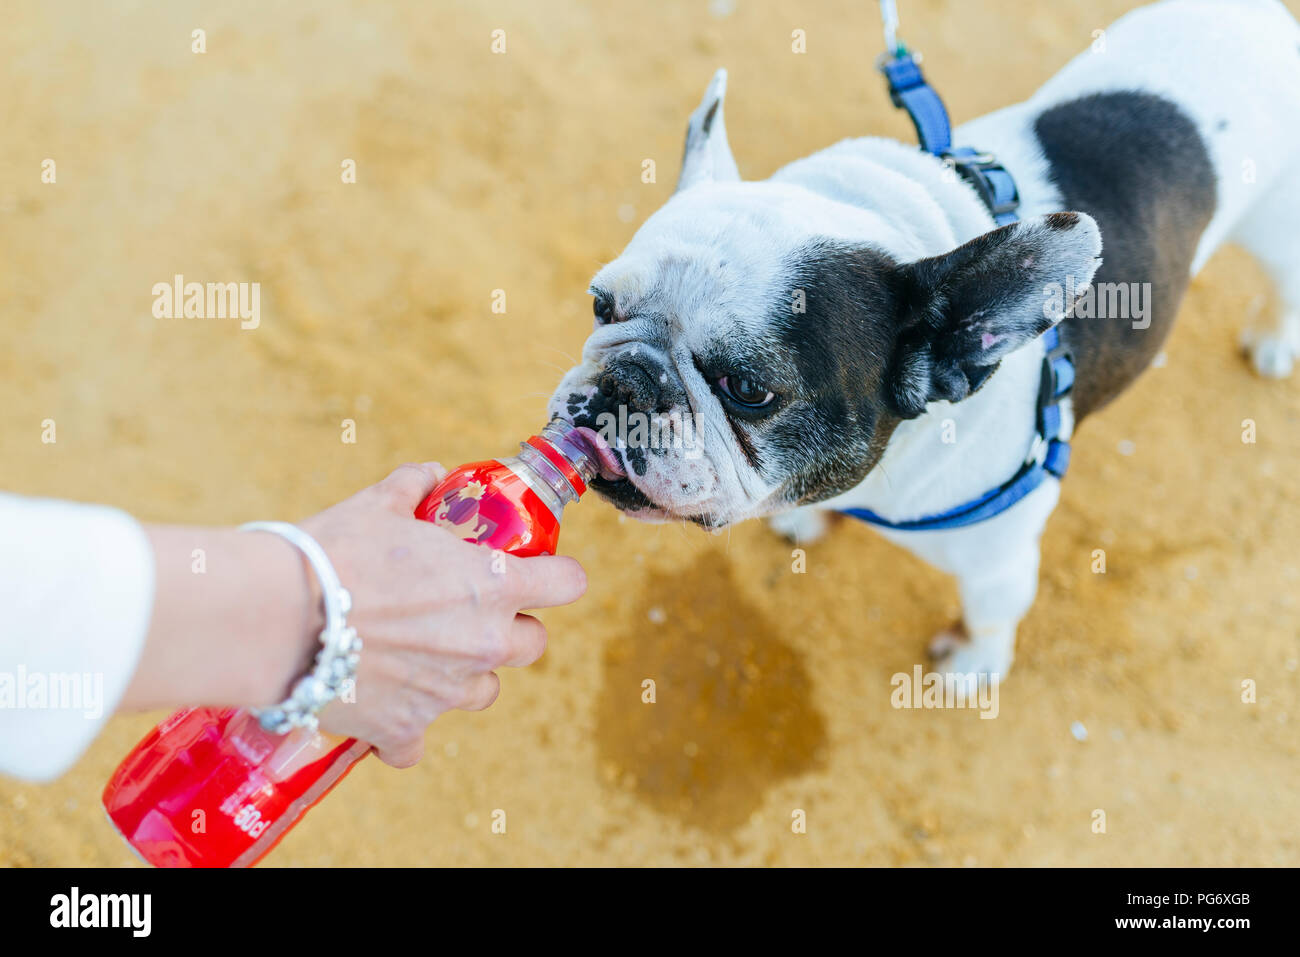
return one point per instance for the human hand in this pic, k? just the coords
(436, 615)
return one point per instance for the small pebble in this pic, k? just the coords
(1079, 731)
(657, 615)
(1126, 447)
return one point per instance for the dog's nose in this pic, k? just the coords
(634, 385)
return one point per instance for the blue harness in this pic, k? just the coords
(1050, 454)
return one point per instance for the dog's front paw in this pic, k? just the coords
(802, 526)
(963, 658)
(1272, 354)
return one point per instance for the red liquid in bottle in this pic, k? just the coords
(209, 787)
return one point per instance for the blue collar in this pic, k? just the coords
(1051, 453)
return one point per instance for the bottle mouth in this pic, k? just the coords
(583, 450)
(597, 458)
(562, 457)
(566, 457)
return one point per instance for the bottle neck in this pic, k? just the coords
(556, 464)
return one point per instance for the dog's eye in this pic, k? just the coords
(604, 310)
(745, 392)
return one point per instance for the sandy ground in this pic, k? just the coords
(521, 172)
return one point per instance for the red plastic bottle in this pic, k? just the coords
(209, 787)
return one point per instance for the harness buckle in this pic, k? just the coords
(975, 167)
(1050, 390)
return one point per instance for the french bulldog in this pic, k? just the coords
(854, 332)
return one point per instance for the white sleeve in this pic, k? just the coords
(76, 597)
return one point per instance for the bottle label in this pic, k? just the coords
(486, 503)
(460, 512)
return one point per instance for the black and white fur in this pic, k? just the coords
(921, 321)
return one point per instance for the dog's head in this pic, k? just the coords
(749, 356)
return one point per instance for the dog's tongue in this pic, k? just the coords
(611, 468)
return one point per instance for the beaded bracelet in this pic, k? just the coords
(336, 662)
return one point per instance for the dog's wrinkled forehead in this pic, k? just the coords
(711, 256)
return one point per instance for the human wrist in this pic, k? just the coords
(293, 614)
(334, 667)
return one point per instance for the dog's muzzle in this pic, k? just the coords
(637, 384)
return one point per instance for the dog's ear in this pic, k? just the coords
(707, 157)
(962, 312)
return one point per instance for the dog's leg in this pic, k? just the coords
(995, 595)
(802, 526)
(1269, 232)
(996, 567)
